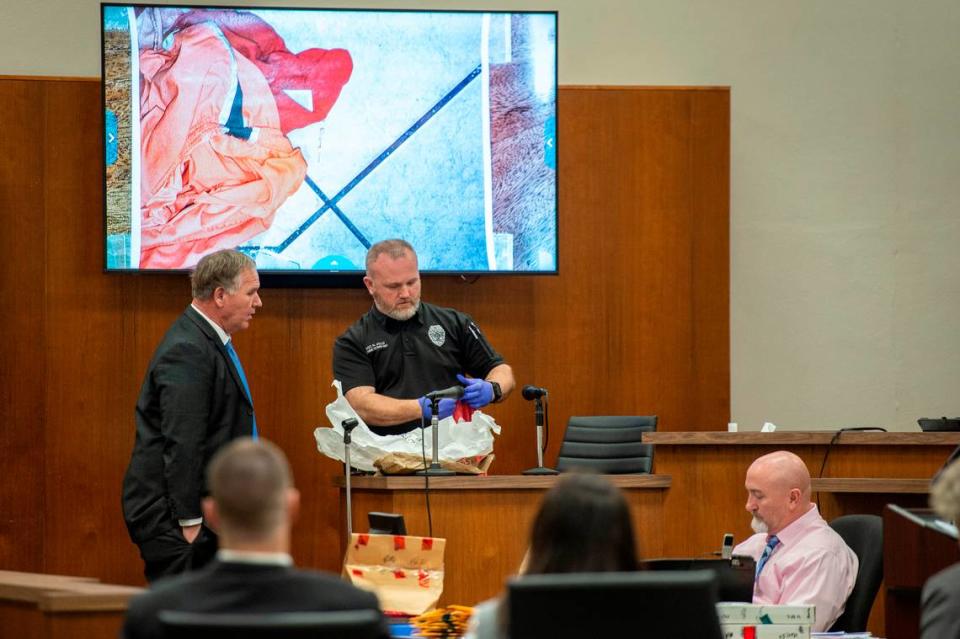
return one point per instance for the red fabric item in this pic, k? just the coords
(462, 412)
(399, 574)
(427, 543)
(323, 72)
(363, 540)
(399, 542)
(203, 189)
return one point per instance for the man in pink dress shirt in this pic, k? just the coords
(800, 559)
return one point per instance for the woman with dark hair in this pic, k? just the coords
(583, 526)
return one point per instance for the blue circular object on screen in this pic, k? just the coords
(334, 263)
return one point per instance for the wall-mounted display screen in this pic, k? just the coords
(302, 136)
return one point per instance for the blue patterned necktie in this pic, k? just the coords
(767, 551)
(243, 378)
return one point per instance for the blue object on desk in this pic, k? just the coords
(402, 629)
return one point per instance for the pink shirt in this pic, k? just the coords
(810, 565)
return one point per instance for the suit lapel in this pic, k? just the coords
(207, 330)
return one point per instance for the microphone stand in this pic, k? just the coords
(540, 469)
(435, 469)
(348, 425)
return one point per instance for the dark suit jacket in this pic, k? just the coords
(191, 403)
(940, 609)
(239, 587)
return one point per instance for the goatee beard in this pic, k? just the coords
(402, 315)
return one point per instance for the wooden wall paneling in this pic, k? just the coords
(22, 340)
(83, 342)
(611, 330)
(709, 401)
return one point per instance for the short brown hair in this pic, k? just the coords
(222, 268)
(395, 248)
(248, 480)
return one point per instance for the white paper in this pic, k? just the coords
(456, 439)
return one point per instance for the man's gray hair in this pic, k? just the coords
(248, 480)
(395, 248)
(222, 268)
(945, 493)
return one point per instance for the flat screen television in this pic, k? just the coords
(302, 136)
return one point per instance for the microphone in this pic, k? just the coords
(349, 424)
(533, 392)
(454, 392)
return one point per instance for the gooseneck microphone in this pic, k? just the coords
(454, 392)
(533, 392)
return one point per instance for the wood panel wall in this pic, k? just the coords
(636, 322)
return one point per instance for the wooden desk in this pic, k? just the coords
(57, 606)
(863, 472)
(486, 520)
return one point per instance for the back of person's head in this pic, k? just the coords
(583, 526)
(945, 493)
(219, 269)
(249, 482)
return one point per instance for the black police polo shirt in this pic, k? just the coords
(408, 359)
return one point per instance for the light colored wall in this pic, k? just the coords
(845, 228)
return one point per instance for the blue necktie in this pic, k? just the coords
(243, 378)
(767, 551)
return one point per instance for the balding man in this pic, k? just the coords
(800, 559)
(253, 505)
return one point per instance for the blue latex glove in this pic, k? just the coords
(476, 392)
(444, 409)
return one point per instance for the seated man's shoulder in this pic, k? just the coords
(168, 593)
(946, 582)
(333, 586)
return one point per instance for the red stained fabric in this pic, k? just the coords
(323, 72)
(462, 412)
(201, 188)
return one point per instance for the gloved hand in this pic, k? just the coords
(444, 409)
(476, 392)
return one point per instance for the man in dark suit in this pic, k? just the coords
(194, 399)
(940, 602)
(253, 504)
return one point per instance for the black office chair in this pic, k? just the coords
(607, 444)
(337, 624)
(864, 535)
(664, 605)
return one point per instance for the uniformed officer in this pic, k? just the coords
(402, 349)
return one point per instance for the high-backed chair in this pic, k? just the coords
(608, 444)
(336, 624)
(654, 605)
(864, 535)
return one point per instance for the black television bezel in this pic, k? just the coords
(270, 278)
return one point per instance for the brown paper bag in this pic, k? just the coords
(405, 572)
(409, 463)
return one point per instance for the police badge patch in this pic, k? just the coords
(437, 335)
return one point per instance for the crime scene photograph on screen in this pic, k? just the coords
(303, 136)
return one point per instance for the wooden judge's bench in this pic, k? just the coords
(693, 497)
